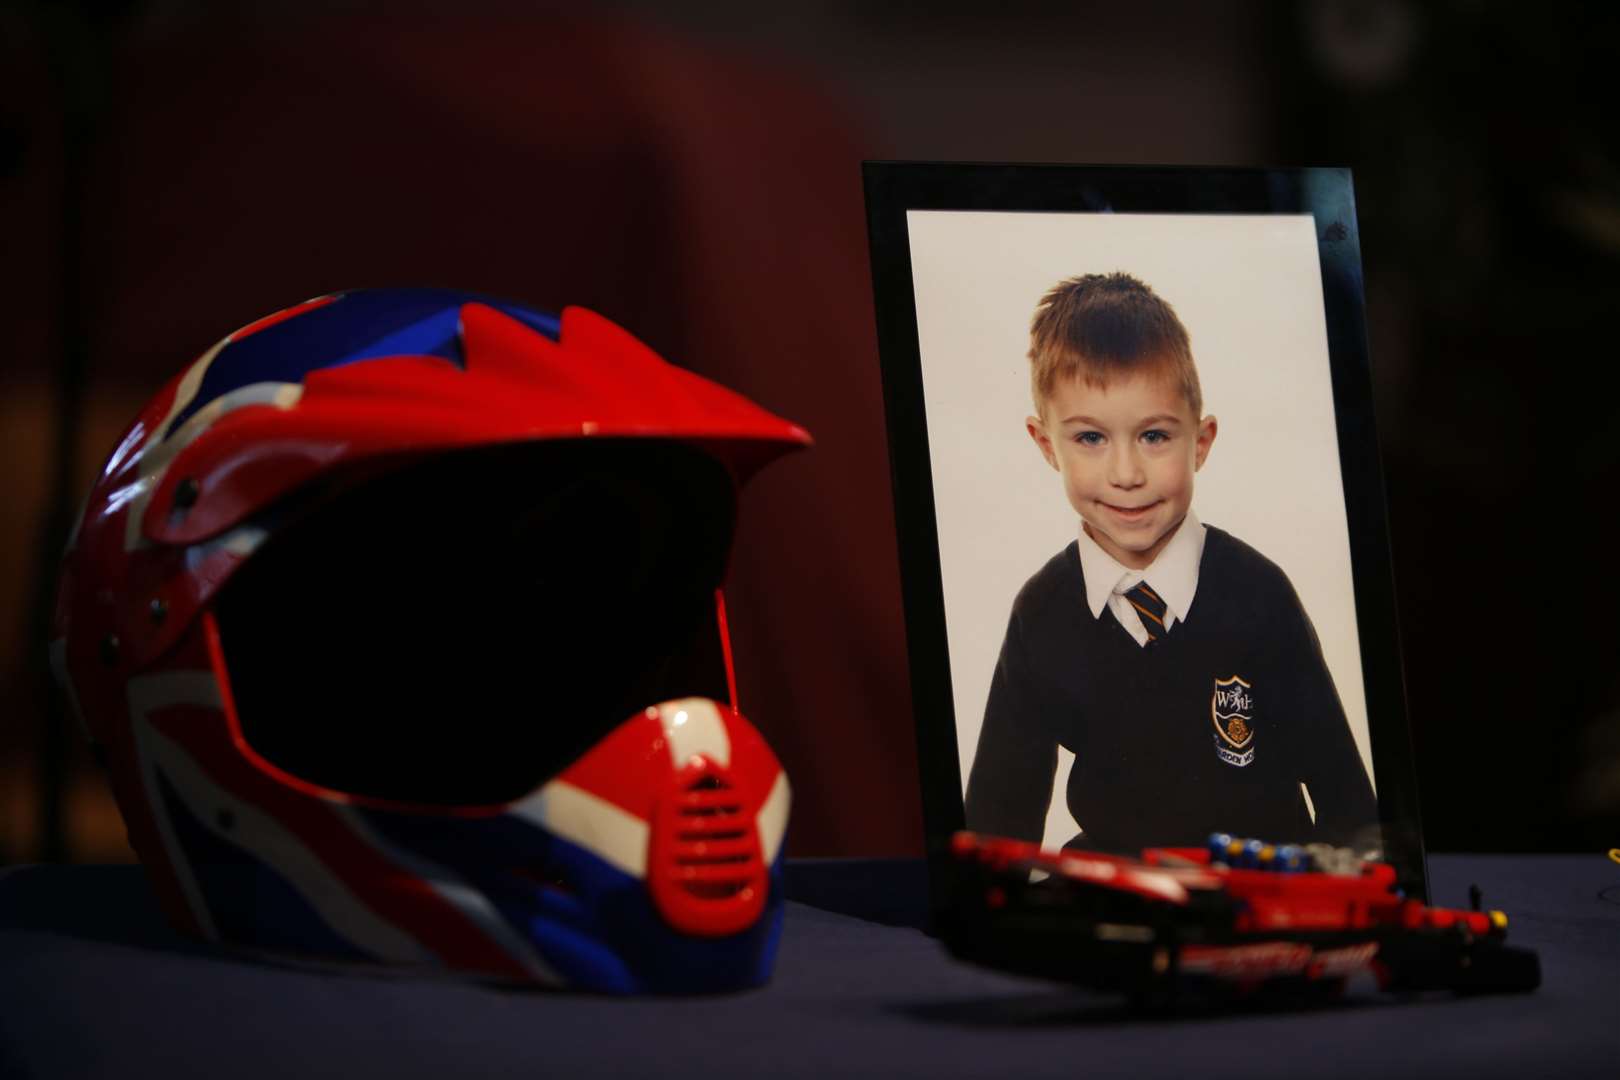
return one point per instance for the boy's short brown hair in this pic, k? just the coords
(1098, 326)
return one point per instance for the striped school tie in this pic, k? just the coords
(1150, 608)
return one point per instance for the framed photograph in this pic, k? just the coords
(1141, 517)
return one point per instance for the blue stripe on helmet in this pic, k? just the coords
(361, 325)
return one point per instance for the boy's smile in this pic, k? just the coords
(1127, 454)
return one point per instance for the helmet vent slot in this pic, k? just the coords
(713, 856)
(699, 835)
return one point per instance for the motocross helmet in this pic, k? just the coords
(396, 621)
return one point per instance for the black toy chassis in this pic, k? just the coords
(1236, 919)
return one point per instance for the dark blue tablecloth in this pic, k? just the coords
(93, 984)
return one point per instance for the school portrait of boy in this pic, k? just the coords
(1143, 550)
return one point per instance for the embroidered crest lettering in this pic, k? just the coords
(1231, 708)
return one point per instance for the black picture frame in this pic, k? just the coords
(894, 189)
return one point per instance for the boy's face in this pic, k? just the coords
(1127, 455)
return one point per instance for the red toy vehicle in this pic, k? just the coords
(1236, 918)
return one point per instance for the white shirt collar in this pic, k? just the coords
(1173, 575)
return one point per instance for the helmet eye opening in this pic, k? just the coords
(456, 630)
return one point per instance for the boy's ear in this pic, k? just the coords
(1037, 431)
(1206, 439)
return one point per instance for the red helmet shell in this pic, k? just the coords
(366, 381)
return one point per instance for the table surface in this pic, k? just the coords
(93, 983)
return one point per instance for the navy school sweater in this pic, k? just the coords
(1211, 728)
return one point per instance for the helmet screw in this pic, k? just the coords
(158, 609)
(185, 493)
(109, 650)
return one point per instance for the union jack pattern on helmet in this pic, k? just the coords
(639, 851)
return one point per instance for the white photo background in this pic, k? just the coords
(1249, 291)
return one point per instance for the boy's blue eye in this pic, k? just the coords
(1156, 436)
(1089, 438)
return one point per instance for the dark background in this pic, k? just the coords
(170, 170)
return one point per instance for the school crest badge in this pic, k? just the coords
(1231, 708)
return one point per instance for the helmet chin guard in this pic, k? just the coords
(397, 616)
